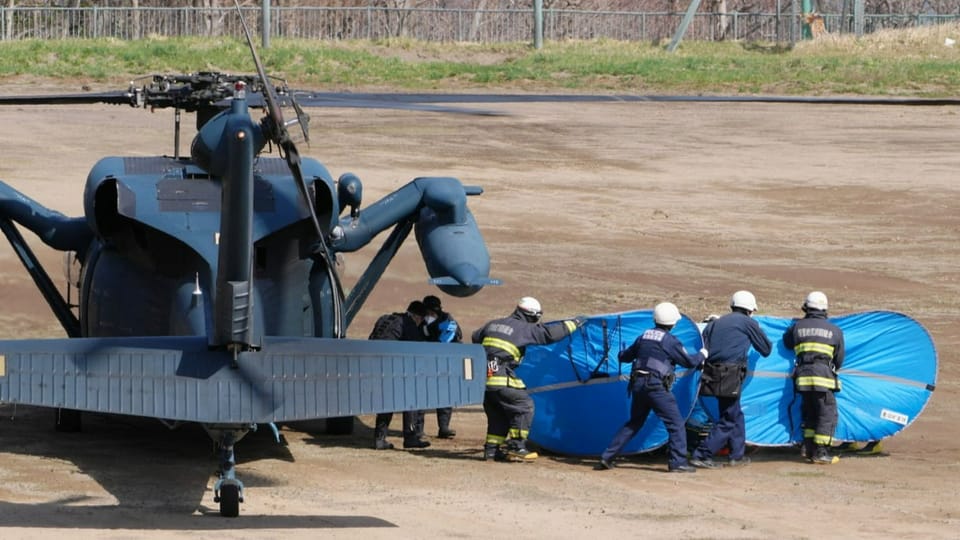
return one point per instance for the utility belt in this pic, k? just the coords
(722, 379)
(667, 379)
(653, 365)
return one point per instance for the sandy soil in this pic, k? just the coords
(593, 209)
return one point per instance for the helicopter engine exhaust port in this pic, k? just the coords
(450, 241)
(454, 253)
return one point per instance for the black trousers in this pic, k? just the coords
(649, 394)
(509, 413)
(412, 425)
(818, 411)
(443, 418)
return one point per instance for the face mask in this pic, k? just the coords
(429, 319)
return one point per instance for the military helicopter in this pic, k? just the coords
(208, 289)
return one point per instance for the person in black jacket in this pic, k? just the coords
(818, 345)
(653, 356)
(439, 326)
(508, 407)
(401, 327)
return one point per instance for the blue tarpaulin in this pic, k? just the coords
(886, 380)
(580, 390)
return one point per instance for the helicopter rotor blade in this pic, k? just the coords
(422, 101)
(406, 102)
(303, 119)
(281, 137)
(129, 97)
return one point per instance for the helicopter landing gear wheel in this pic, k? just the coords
(229, 499)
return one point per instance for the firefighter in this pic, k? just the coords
(819, 348)
(728, 339)
(440, 326)
(508, 407)
(654, 354)
(400, 327)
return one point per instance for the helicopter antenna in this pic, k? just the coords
(277, 132)
(176, 133)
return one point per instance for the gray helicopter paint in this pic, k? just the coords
(178, 378)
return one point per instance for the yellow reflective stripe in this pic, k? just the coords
(513, 433)
(808, 433)
(813, 346)
(500, 380)
(503, 345)
(571, 326)
(823, 382)
(822, 439)
(495, 439)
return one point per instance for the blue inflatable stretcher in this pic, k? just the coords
(580, 389)
(886, 380)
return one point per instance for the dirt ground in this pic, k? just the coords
(592, 209)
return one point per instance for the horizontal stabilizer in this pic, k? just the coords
(179, 378)
(447, 280)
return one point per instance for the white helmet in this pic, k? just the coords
(816, 300)
(530, 308)
(666, 314)
(745, 300)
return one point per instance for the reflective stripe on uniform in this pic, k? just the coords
(813, 346)
(822, 439)
(571, 326)
(495, 439)
(503, 380)
(503, 345)
(517, 433)
(821, 382)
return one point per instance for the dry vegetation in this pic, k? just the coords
(920, 42)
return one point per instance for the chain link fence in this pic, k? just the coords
(443, 25)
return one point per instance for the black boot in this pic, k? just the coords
(443, 422)
(808, 449)
(823, 457)
(492, 452)
(517, 451)
(415, 443)
(380, 428)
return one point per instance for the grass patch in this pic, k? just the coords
(913, 62)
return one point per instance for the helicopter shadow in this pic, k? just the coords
(362, 436)
(159, 477)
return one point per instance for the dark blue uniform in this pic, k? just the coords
(654, 355)
(819, 348)
(729, 339)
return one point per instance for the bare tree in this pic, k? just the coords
(8, 20)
